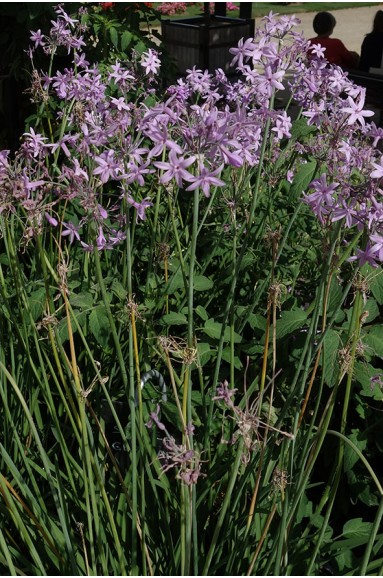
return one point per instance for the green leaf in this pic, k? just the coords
(36, 303)
(201, 312)
(213, 330)
(257, 321)
(303, 178)
(330, 355)
(114, 37)
(373, 311)
(226, 356)
(176, 282)
(375, 281)
(99, 325)
(334, 299)
(363, 372)
(357, 527)
(202, 283)
(350, 456)
(119, 290)
(62, 327)
(301, 129)
(81, 300)
(204, 353)
(126, 38)
(290, 321)
(174, 319)
(374, 340)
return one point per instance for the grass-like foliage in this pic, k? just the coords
(190, 298)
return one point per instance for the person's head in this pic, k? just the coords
(378, 22)
(324, 23)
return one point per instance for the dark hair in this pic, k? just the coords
(378, 22)
(324, 23)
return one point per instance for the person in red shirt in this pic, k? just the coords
(336, 52)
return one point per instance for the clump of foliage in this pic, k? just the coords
(190, 305)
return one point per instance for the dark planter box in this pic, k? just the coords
(204, 43)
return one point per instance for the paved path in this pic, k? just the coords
(351, 24)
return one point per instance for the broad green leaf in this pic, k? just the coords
(303, 178)
(334, 298)
(290, 321)
(174, 319)
(62, 327)
(350, 456)
(202, 283)
(213, 330)
(372, 309)
(201, 312)
(176, 282)
(301, 129)
(363, 374)
(329, 364)
(81, 300)
(357, 527)
(373, 338)
(99, 325)
(119, 290)
(344, 560)
(226, 356)
(114, 37)
(257, 321)
(36, 303)
(126, 38)
(374, 279)
(204, 353)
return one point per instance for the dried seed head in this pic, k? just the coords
(178, 349)
(345, 359)
(162, 251)
(276, 290)
(280, 478)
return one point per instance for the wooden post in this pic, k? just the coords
(245, 10)
(220, 9)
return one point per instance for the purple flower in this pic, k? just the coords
(355, 109)
(71, 231)
(245, 49)
(51, 220)
(377, 248)
(225, 394)
(318, 50)
(175, 168)
(150, 62)
(378, 172)
(38, 38)
(101, 241)
(154, 419)
(205, 179)
(35, 141)
(108, 167)
(140, 207)
(367, 255)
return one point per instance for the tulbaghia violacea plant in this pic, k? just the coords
(131, 211)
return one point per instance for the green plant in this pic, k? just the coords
(190, 302)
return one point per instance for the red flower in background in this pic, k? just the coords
(107, 5)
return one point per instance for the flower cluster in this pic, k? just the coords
(109, 145)
(171, 8)
(248, 421)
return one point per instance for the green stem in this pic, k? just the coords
(371, 539)
(225, 505)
